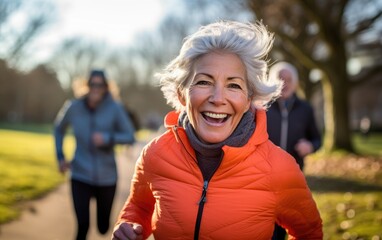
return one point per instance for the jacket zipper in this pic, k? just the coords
(92, 147)
(203, 197)
(202, 200)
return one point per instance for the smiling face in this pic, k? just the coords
(217, 97)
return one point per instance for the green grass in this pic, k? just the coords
(349, 215)
(28, 169)
(371, 145)
(27, 127)
(348, 190)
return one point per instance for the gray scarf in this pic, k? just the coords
(209, 155)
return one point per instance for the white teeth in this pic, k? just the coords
(216, 115)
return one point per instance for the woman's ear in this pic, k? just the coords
(249, 104)
(181, 98)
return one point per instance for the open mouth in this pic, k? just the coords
(215, 117)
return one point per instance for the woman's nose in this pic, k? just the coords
(217, 95)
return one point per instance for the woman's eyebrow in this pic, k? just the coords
(210, 76)
(233, 78)
(205, 74)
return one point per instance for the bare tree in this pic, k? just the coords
(75, 57)
(7, 8)
(15, 40)
(318, 35)
(43, 95)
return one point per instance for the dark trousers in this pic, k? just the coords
(104, 196)
(279, 233)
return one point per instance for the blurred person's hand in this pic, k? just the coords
(63, 166)
(97, 139)
(128, 231)
(303, 147)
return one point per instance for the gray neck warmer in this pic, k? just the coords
(209, 155)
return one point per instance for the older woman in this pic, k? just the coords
(214, 174)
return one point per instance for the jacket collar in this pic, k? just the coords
(259, 136)
(106, 98)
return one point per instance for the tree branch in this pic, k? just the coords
(299, 52)
(365, 24)
(343, 4)
(312, 11)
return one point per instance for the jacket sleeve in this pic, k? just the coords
(60, 125)
(296, 210)
(124, 130)
(139, 206)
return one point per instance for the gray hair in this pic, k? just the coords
(250, 42)
(275, 69)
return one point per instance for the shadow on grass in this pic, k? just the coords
(331, 184)
(25, 127)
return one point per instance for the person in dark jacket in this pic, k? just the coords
(98, 123)
(290, 122)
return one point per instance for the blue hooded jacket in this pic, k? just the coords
(91, 164)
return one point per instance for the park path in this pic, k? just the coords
(52, 216)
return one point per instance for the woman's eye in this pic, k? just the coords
(234, 85)
(202, 82)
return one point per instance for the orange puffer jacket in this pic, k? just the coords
(255, 186)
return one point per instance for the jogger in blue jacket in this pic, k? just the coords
(98, 123)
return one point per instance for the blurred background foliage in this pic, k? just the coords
(337, 48)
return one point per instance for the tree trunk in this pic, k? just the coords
(327, 93)
(342, 133)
